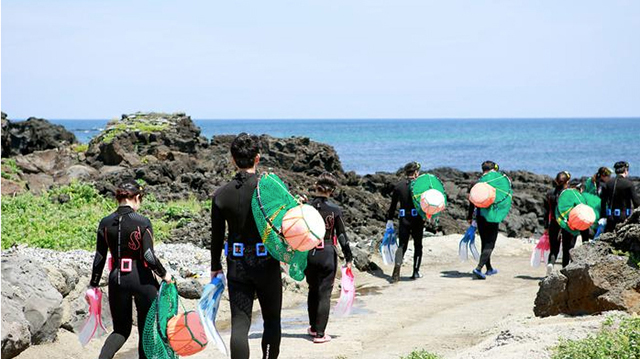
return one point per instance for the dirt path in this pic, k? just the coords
(445, 312)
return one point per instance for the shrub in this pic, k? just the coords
(618, 339)
(421, 354)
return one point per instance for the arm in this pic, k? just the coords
(634, 196)
(471, 208)
(217, 236)
(342, 238)
(391, 214)
(100, 258)
(149, 255)
(604, 201)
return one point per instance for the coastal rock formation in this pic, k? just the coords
(598, 279)
(32, 307)
(34, 134)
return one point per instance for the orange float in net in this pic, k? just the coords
(581, 217)
(482, 195)
(186, 334)
(303, 227)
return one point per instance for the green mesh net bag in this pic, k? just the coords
(154, 336)
(500, 208)
(570, 198)
(594, 202)
(422, 184)
(271, 201)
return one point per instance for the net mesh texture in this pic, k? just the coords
(154, 337)
(422, 184)
(570, 198)
(271, 201)
(500, 208)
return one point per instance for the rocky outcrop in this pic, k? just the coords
(32, 307)
(34, 134)
(597, 279)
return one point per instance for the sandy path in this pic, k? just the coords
(445, 312)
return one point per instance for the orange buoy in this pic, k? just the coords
(482, 195)
(581, 217)
(432, 202)
(186, 334)
(303, 227)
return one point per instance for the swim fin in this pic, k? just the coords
(472, 246)
(208, 309)
(347, 293)
(599, 231)
(93, 324)
(467, 242)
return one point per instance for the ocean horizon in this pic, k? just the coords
(541, 145)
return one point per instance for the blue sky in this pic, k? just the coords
(321, 59)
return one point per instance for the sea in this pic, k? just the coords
(544, 146)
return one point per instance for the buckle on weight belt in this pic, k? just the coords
(226, 249)
(401, 213)
(261, 250)
(608, 212)
(617, 212)
(238, 250)
(414, 213)
(126, 265)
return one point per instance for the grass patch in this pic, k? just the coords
(10, 169)
(42, 221)
(132, 125)
(80, 147)
(421, 354)
(618, 339)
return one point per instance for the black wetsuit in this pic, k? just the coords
(129, 237)
(248, 275)
(488, 232)
(411, 223)
(554, 229)
(619, 198)
(322, 263)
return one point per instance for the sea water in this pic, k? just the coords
(543, 146)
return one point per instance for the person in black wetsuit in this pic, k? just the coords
(129, 237)
(323, 260)
(594, 185)
(411, 224)
(619, 198)
(488, 231)
(251, 270)
(561, 182)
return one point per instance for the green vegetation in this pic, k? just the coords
(10, 169)
(633, 259)
(134, 125)
(81, 147)
(66, 218)
(421, 354)
(618, 339)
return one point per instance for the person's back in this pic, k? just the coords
(619, 198)
(129, 237)
(322, 260)
(251, 271)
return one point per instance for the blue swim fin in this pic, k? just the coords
(208, 309)
(463, 246)
(599, 231)
(472, 247)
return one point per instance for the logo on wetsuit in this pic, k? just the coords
(135, 240)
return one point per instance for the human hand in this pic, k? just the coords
(602, 222)
(168, 278)
(215, 273)
(390, 224)
(349, 265)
